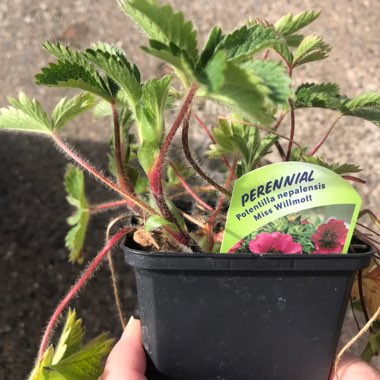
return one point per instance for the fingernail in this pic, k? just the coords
(129, 324)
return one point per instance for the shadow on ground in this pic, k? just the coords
(35, 272)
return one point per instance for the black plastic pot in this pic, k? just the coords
(235, 317)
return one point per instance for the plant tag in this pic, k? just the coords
(291, 207)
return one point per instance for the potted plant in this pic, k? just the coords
(204, 314)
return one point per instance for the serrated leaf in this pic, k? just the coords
(290, 24)
(241, 90)
(162, 24)
(294, 40)
(70, 339)
(273, 77)
(114, 63)
(102, 109)
(38, 371)
(312, 48)
(323, 95)
(150, 119)
(365, 106)
(209, 49)
(244, 42)
(25, 115)
(367, 100)
(156, 221)
(335, 167)
(73, 70)
(74, 185)
(68, 109)
(85, 364)
(215, 70)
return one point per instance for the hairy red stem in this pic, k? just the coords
(196, 167)
(292, 130)
(133, 201)
(324, 138)
(77, 286)
(156, 173)
(121, 177)
(190, 190)
(107, 205)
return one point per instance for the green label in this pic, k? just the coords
(291, 207)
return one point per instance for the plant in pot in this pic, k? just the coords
(206, 315)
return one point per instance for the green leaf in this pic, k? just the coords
(273, 77)
(335, 167)
(150, 119)
(25, 115)
(289, 24)
(85, 364)
(114, 63)
(241, 89)
(365, 106)
(323, 95)
(213, 40)
(102, 109)
(70, 339)
(312, 48)
(67, 110)
(73, 70)
(72, 360)
(244, 42)
(74, 185)
(215, 70)
(368, 99)
(156, 221)
(162, 24)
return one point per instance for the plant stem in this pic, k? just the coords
(190, 190)
(77, 286)
(324, 138)
(106, 206)
(156, 173)
(203, 125)
(121, 177)
(280, 119)
(292, 130)
(354, 179)
(186, 149)
(132, 201)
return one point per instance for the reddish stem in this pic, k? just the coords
(203, 125)
(121, 177)
(190, 190)
(354, 179)
(132, 201)
(186, 149)
(292, 129)
(156, 173)
(107, 205)
(218, 207)
(77, 286)
(324, 138)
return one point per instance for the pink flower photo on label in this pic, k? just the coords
(235, 247)
(275, 242)
(330, 237)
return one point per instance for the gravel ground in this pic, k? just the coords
(34, 270)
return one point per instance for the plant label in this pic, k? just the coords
(291, 208)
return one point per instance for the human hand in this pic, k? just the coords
(127, 359)
(352, 368)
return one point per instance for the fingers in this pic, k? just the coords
(127, 359)
(352, 368)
